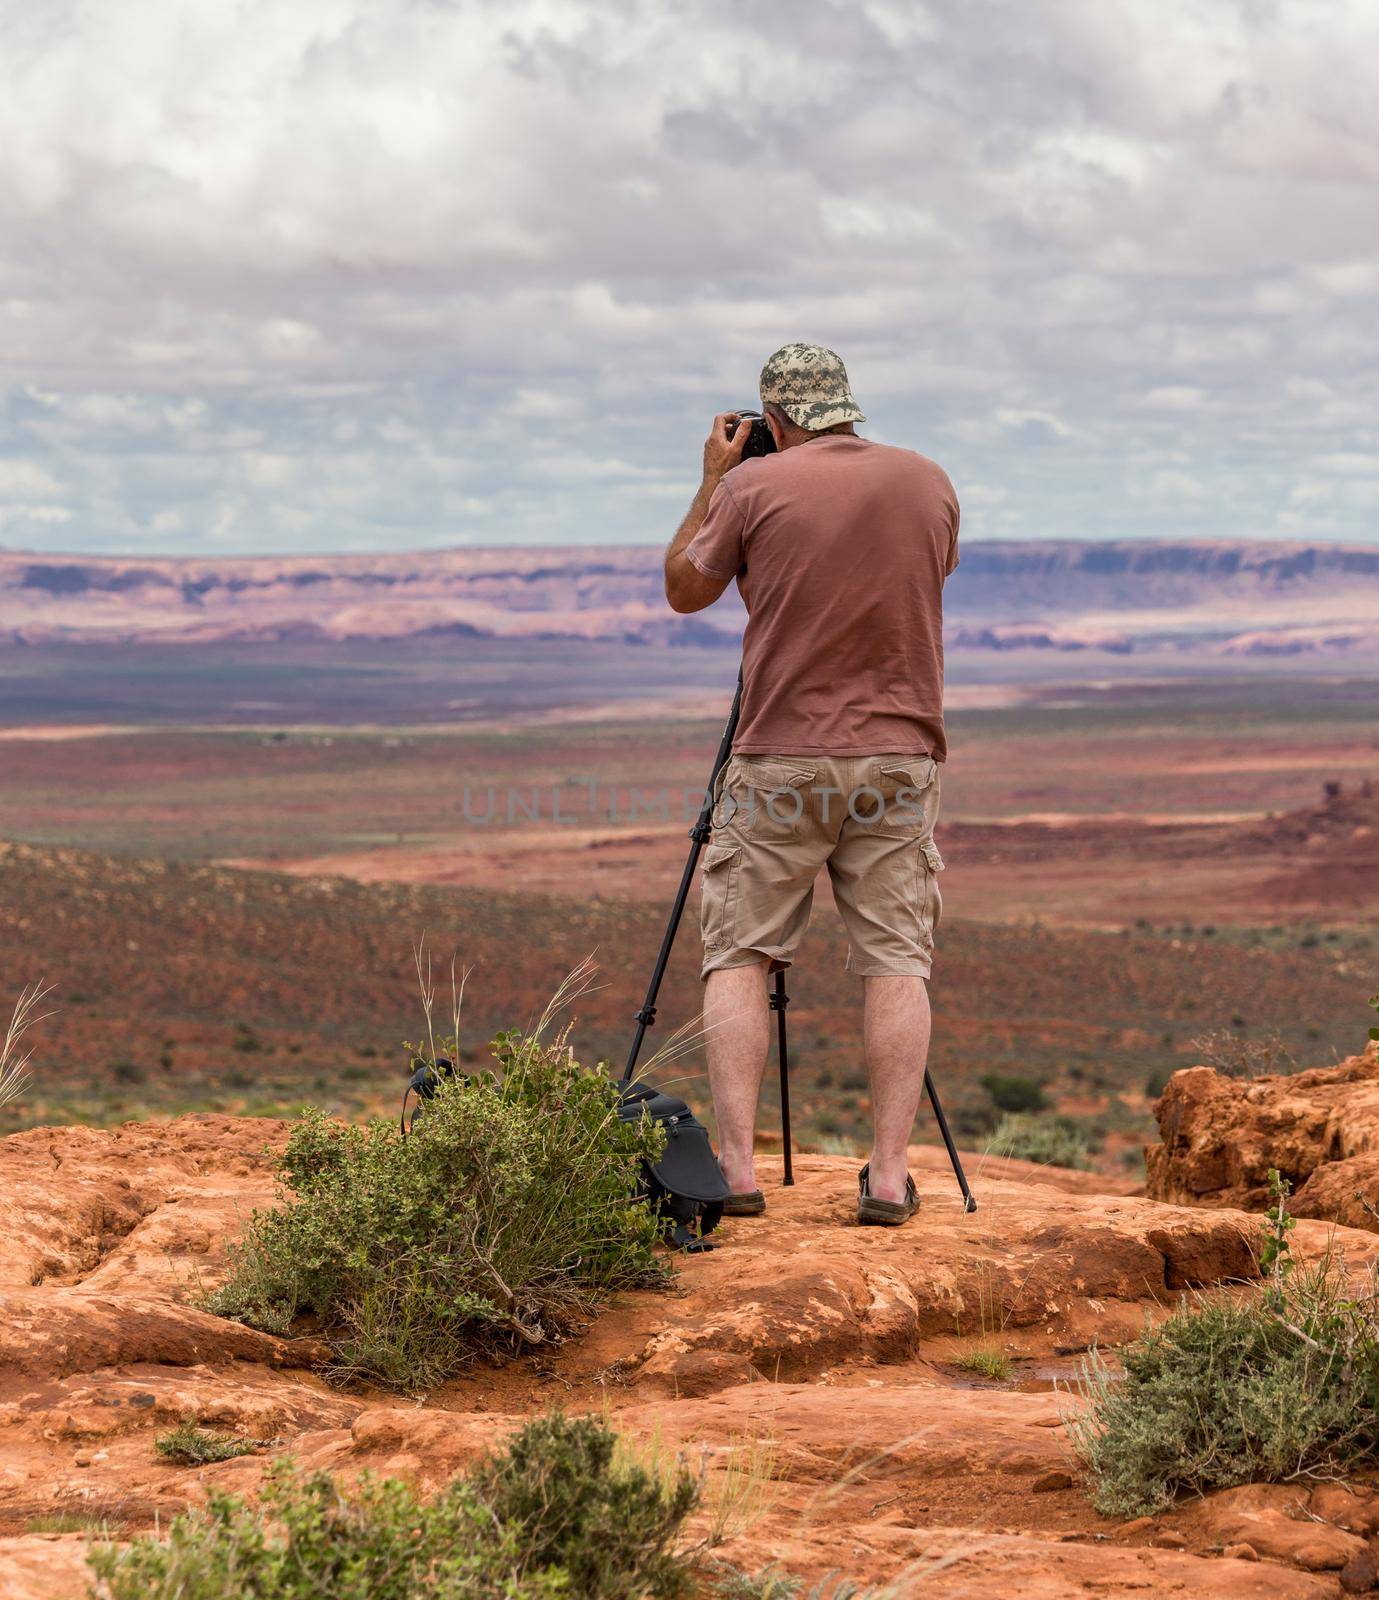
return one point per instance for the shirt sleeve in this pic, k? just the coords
(717, 549)
(953, 540)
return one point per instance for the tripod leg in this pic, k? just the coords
(779, 1001)
(968, 1198)
(647, 1015)
(699, 837)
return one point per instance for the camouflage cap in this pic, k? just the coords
(810, 384)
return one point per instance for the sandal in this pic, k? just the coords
(885, 1213)
(745, 1205)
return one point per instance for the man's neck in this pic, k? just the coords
(810, 436)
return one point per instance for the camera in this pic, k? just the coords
(759, 440)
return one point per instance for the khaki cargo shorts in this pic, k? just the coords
(868, 819)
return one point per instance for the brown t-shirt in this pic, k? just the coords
(840, 547)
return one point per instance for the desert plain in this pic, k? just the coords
(225, 853)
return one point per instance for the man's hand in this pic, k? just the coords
(724, 446)
(688, 589)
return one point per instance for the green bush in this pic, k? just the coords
(562, 1495)
(190, 1446)
(1224, 1393)
(1014, 1092)
(554, 1517)
(499, 1222)
(1053, 1141)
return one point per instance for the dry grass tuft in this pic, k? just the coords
(14, 1066)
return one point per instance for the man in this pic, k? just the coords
(840, 548)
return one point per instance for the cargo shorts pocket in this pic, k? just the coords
(718, 903)
(774, 797)
(931, 901)
(907, 794)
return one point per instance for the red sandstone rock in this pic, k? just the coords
(1349, 1507)
(1313, 1546)
(829, 1346)
(1051, 1482)
(1360, 1575)
(1320, 1129)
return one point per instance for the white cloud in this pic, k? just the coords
(1176, 397)
(333, 274)
(1351, 463)
(23, 480)
(31, 516)
(1015, 418)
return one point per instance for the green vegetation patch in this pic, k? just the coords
(1225, 1393)
(556, 1515)
(498, 1223)
(190, 1446)
(92, 1523)
(1014, 1092)
(985, 1362)
(1051, 1140)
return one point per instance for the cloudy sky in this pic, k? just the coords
(353, 274)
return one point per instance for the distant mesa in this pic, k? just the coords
(1230, 599)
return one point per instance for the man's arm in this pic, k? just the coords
(953, 543)
(687, 588)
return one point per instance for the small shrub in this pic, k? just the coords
(499, 1222)
(765, 1585)
(556, 1492)
(1234, 1057)
(190, 1446)
(1221, 1394)
(91, 1523)
(550, 1518)
(1014, 1092)
(985, 1362)
(1275, 1254)
(1052, 1141)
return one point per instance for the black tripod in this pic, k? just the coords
(779, 1000)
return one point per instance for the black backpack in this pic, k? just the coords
(685, 1187)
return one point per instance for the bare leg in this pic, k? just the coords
(737, 1026)
(896, 1034)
